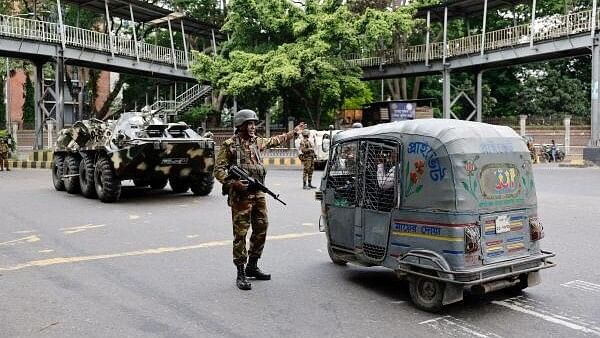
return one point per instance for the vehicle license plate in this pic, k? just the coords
(502, 224)
(174, 161)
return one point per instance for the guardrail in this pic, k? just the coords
(182, 100)
(22, 28)
(544, 28)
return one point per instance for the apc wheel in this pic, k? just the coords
(179, 184)
(334, 258)
(202, 184)
(159, 182)
(426, 293)
(57, 172)
(86, 176)
(72, 168)
(108, 186)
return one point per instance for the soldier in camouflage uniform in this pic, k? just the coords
(4, 153)
(307, 156)
(248, 209)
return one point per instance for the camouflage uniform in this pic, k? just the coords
(308, 160)
(248, 209)
(4, 149)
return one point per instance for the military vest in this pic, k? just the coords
(257, 170)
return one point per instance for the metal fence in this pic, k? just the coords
(22, 28)
(544, 28)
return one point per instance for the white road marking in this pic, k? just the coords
(191, 236)
(549, 317)
(457, 327)
(24, 232)
(28, 239)
(46, 251)
(74, 230)
(132, 217)
(582, 285)
(308, 224)
(154, 251)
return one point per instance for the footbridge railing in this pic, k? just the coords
(48, 32)
(544, 28)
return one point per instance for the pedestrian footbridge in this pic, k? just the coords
(547, 38)
(44, 41)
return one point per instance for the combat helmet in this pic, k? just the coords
(357, 125)
(242, 116)
(305, 132)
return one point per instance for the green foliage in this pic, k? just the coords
(29, 104)
(202, 10)
(356, 102)
(196, 115)
(279, 50)
(553, 88)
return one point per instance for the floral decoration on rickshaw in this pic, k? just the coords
(437, 172)
(413, 177)
(527, 178)
(471, 185)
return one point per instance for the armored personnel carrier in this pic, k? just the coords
(92, 157)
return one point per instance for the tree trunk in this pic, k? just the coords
(404, 89)
(416, 88)
(394, 88)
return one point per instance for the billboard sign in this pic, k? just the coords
(400, 111)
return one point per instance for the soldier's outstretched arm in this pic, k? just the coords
(275, 141)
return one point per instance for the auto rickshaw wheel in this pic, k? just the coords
(426, 293)
(521, 284)
(334, 258)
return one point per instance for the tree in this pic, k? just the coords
(29, 104)
(278, 50)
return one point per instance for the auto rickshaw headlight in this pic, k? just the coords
(536, 228)
(472, 239)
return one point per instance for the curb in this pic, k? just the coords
(577, 164)
(42, 161)
(25, 164)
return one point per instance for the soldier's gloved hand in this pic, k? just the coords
(240, 185)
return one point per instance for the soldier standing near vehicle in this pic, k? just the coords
(307, 156)
(248, 208)
(4, 153)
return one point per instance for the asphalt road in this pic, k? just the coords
(159, 265)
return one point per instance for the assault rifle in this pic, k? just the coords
(238, 173)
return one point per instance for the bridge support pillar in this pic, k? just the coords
(595, 136)
(60, 92)
(446, 93)
(479, 93)
(38, 86)
(592, 152)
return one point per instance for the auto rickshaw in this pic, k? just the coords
(448, 205)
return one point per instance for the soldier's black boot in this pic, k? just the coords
(310, 186)
(304, 186)
(252, 270)
(241, 280)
